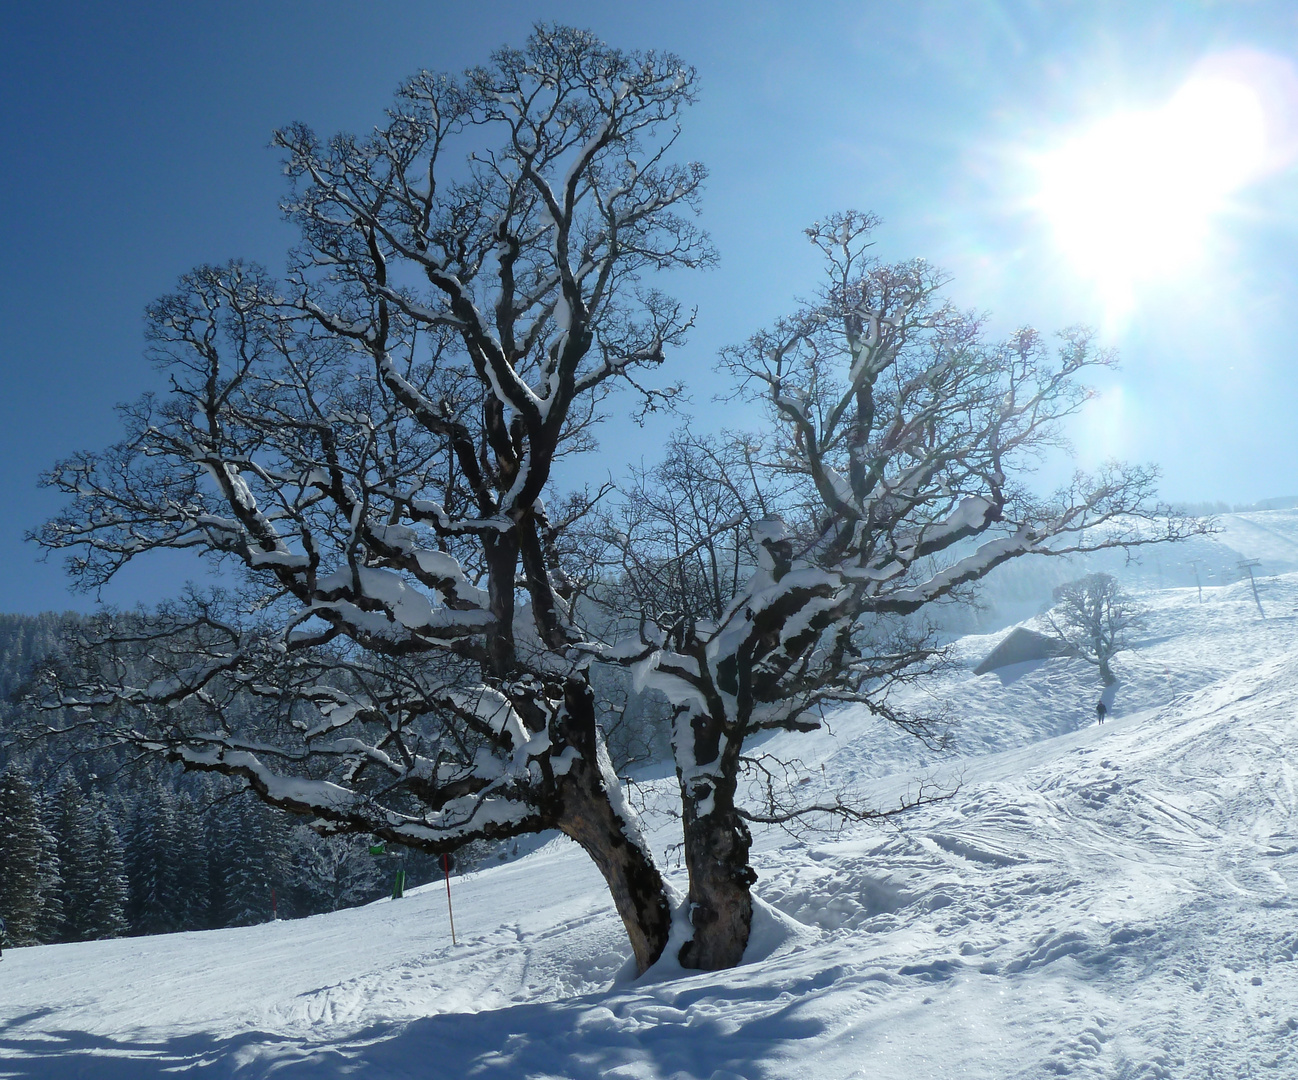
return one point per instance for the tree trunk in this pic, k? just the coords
(638, 891)
(716, 852)
(501, 555)
(595, 815)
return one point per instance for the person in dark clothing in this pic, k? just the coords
(2, 938)
(1100, 710)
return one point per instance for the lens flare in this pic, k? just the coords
(1133, 197)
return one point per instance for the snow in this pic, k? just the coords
(281, 558)
(1114, 901)
(492, 707)
(440, 564)
(305, 792)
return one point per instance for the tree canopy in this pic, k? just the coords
(412, 615)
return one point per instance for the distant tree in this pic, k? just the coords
(255, 862)
(367, 449)
(93, 887)
(1096, 618)
(29, 882)
(166, 864)
(767, 578)
(192, 897)
(49, 918)
(25, 640)
(105, 915)
(218, 839)
(77, 840)
(148, 833)
(333, 872)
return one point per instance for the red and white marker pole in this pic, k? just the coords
(446, 868)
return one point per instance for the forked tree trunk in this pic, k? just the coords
(717, 841)
(599, 820)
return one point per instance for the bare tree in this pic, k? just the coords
(1097, 619)
(680, 541)
(364, 449)
(888, 480)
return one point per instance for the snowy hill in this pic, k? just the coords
(1113, 901)
(1019, 589)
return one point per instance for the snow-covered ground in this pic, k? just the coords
(1116, 901)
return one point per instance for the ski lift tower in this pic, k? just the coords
(1247, 566)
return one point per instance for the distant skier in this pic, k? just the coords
(1100, 712)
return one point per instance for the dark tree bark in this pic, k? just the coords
(597, 817)
(717, 841)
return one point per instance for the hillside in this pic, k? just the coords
(1113, 901)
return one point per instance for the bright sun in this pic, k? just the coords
(1132, 198)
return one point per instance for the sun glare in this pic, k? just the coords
(1132, 198)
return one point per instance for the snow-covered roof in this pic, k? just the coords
(1022, 644)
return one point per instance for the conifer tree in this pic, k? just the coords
(217, 834)
(106, 910)
(187, 892)
(75, 837)
(257, 863)
(28, 864)
(49, 916)
(150, 841)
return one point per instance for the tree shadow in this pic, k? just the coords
(695, 1034)
(29, 1051)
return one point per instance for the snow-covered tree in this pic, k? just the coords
(780, 575)
(76, 838)
(335, 872)
(49, 918)
(254, 861)
(150, 838)
(166, 864)
(29, 881)
(93, 887)
(367, 448)
(105, 914)
(1097, 619)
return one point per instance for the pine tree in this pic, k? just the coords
(28, 864)
(151, 834)
(218, 834)
(187, 864)
(140, 867)
(106, 911)
(75, 835)
(49, 916)
(257, 863)
(20, 858)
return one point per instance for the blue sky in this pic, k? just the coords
(136, 146)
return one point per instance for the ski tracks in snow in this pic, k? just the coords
(1111, 902)
(1116, 905)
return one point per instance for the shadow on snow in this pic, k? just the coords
(594, 1036)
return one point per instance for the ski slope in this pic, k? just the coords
(1115, 901)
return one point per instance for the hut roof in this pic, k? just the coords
(1022, 644)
